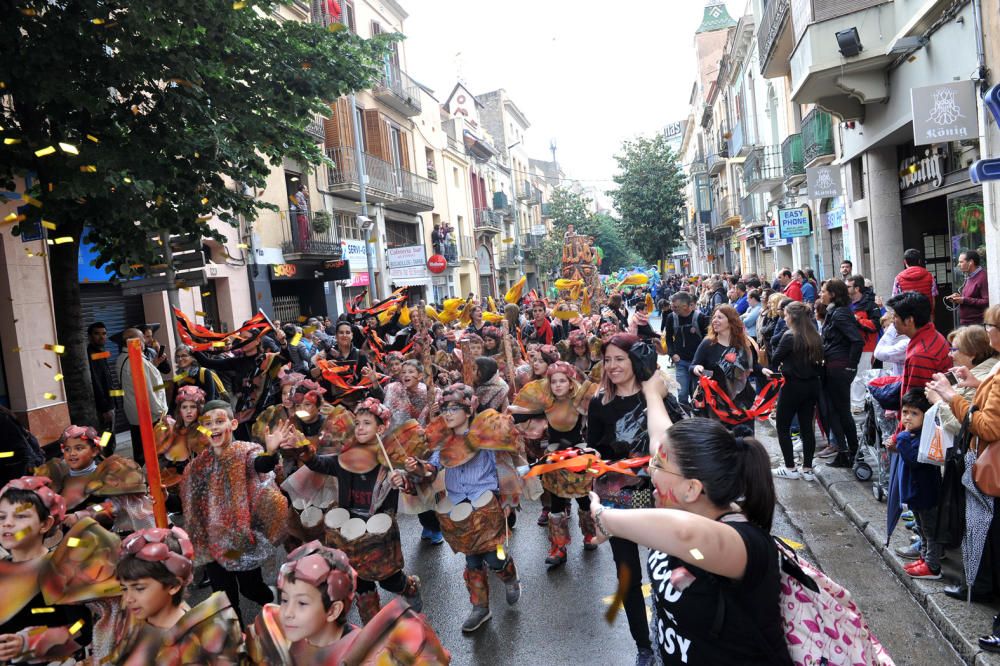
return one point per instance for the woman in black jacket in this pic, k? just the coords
(842, 344)
(799, 357)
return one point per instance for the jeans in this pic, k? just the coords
(476, 561)
(838, 392)
(683, 375)
(798, 399)
(930, 550)
(234, 583)
(394, 583)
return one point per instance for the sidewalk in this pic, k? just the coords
(961, 623)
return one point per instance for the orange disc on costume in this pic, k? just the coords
(456, 451)
(359, 458)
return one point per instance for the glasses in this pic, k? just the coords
(989, 327)
(452, 408)
(653, 464)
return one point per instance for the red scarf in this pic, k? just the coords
(545, 330)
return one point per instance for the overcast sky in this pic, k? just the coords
(587, 74)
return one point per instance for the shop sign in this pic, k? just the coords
(359, 280)
(437, 263)
(834, 219)
(773, 239)
(702, 240)
(944, 112)
(538, 230)
(405, 257)
(794, 222)
(824, 182)
(355, 251)
(284, 271)
(929, 169)
(409, 273)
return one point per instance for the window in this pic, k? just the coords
(431, 166)
(359, 120)
(347, 6)
(376, 29)
(347, 225)
(400, 234)
(454, 174)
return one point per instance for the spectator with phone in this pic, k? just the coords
(730, 355)
(974, 297)
(799, 357)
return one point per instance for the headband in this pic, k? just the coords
(150, 545)
(562, 367)
(80, 432)
(313, 568)
(39, 485)
(290, 378)
(372, 405)
(190, 393)
(462, 394)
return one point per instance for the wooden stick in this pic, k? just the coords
(384, 452)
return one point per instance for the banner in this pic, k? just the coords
(794, 222)
(945, 112)
(824, 182)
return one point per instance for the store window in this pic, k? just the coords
(968, 226)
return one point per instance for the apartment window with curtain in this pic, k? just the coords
(347, 225)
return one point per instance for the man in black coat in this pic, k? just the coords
(101, 378)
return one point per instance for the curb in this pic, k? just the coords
(836, 484)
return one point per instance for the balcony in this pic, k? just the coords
(762, 170)
(728, 213)
(511, 256)
(775, 39)
(717, 162)
(748, 212)
(414, 194)
(791, 160)
(698, 167)
(528, 193)
(345, 180)
(315, 130)
(308, 236)
(840, 84)
(488, 222)
(449, 249)
(817, 138)
(738, 145)
(398, 91)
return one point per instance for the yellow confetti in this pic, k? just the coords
(205, 431)
(500, 554)
(696, 554)
(49, 396)
(97, 507)
(39, 611)
(59, 349)
(303, 443)
(93, 138)
(96, 21)
(295, 339)
(794, 545)
(303, 319)
(49, 225)
(10, 141)
(116, 393)
(199, 313)
(88, 168)
(32, 200)
(69, 148)
(206, 293)
(219, 345)
(72, 542)
(42, 152)
(11, 217)
(76, 627)
(128, 181)
(239, 4)
(58, 377)
(64, 239)
(204, 200)
(6, 454)
(243, 246)
(105, 438)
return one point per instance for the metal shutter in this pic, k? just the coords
(105, 303)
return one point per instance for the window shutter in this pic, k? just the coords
(376, 134)
(404, 150)
(337, 127)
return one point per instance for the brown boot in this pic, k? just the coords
(511, 582)
(589, 529)
(479, 595)
(368, 605)
(558, 538)
(411, 592)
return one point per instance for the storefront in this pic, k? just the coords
(408, 268)
(357, 281)
(305, 289)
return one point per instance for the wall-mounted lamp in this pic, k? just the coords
(849, 42)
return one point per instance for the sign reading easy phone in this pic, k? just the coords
(794, 222)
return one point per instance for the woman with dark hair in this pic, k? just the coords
(344, 352)
(491, 389)
(842, 345)
(618, 310)
(712, 562)
(730, 355)
(617, 429)
(799, 357)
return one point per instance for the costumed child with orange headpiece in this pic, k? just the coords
(178, 439)
(113, 491)
(309, 627)
(42, 616)
(479, 457)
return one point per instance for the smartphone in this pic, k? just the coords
(952, 379)
(707, 373)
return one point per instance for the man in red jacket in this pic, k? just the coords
(914, 277)
(791, 287)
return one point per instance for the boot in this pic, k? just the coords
(511, 582)
(543, 518)
(558, 538)
(411, 592)
(479, 595)
(368, 605)
(589, 529)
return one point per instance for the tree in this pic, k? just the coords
(164, 107)
(650, 196)
(609, 237)
(569, 208)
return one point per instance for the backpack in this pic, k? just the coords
(821, 623)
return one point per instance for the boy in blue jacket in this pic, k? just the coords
(920, 485)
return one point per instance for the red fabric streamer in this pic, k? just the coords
(202, 339)
(719, 402)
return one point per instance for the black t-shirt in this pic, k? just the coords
(618, 429)
(687, 604)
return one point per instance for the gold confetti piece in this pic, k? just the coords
(42, 152)
(303, 318)
(295, 339)
(39, 611)
(303, 443)
(97, 507)
(239, 5)
(59, 349)
(199, 313)
(49, 225)
(794, 545)
(50, 241)
(88, 168)
(105, 438)
(69, 148)
(64, 239)
(49, 396)
(205, 431)
(128, 181)
(58, 377)
(93, 138)
(76, 627)
(21, 533)
(96, 21)
(116, 393)
(32, 200)
(696, 554)
(219, 344)
(72, 542)
(500, 554)
(11, 217)
(10, 141)
(243, 246)
(206, 293)
(624, 578)
(204, 200)
(6, 454)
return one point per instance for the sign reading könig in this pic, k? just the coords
(944, 112)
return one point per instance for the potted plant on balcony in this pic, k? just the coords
(322, 221)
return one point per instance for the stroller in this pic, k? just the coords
(872, 460)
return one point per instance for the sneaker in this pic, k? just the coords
(556, 557)
(923, 572)
(913, 565)
(436, 538)
(543, 519)
(645, 657)
(906, 515)
(807, 474)
(828, 452)
(512, 589)
(841, 460)
(476, 618)
(785, 473)
(911, 552)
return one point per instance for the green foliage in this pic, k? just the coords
(650, 196)
(610, 238)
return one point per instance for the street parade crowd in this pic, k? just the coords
(314, 439)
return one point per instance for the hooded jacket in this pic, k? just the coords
(916, 278)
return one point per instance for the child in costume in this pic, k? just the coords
(112, 491)
(233, 509)
(155, 568)
(475, 457)
(563, 401)
(42, 616)
(365, 493)
(282, 411)
(178, 439)
(310, 626)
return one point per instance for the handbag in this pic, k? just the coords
(986, 469)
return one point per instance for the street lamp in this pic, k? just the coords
(367, 224)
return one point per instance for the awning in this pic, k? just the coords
(411, 282)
